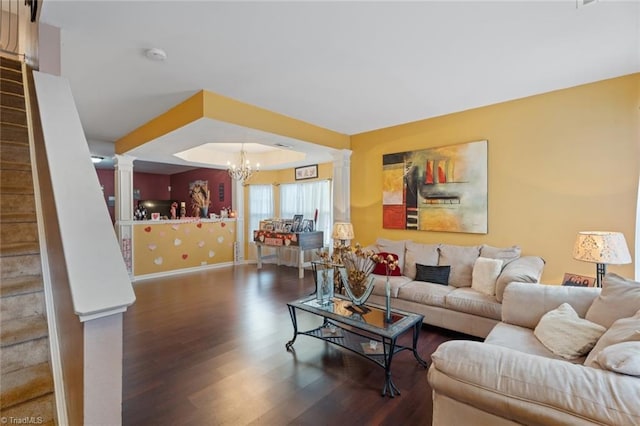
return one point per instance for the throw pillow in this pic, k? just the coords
(461, 260)
(620, 298)
(623, 330)
(433, 274)
(381, 268)
(565, 334)
(622, 358)
(507, 254)
(484, 276)
(391, 246)
(424, 254)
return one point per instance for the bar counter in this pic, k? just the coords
(160, 247)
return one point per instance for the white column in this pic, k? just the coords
(103, 371)
(237, 195)
(342, 186)
(123, 176)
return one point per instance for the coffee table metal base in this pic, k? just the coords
(357, 340)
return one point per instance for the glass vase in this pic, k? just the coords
(387, 295)
(358, 288)
(324, 285)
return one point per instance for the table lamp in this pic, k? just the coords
(342, 231)
(601, 248)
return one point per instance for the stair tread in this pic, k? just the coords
(20, 266)
(10, 63)
(41, 408)
(21, 330)
(12, 217)
(25, 384)
(19, 248)
(20, 285)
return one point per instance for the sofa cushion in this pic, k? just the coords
(425, 293)
(623, 358)
(392, 246)
(620, 298)
(521, 339)
(473, 302)
(461, 260)
(623, 330)
(380, 282)
(424, 254)
(381, 268)
(433, 274)
(527, 269)
(567, 335)
(506, 254)
(484, 275)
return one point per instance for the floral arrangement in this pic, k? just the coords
(359, 264)
(390, 262)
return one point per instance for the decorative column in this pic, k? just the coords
(342, 186)
(237, 195)
(123, 176)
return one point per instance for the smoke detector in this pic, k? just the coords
(156, 54)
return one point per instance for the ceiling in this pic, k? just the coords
(347, 66)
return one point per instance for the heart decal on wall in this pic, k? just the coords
(157, 261)
(201, 244)
(147, 229)
(184, 256)
(199, 225)
(177, 242)
(222, 224)
(220, 239)
(152, 247)
(175, 227)
(212, 253)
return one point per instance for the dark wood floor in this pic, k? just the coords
(208, 348)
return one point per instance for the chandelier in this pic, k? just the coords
(244, 171)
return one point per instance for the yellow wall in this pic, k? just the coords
(277, 177)
(559, 163)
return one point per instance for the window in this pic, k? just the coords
(304, 199)
(260, 206)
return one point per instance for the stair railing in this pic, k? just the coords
(19, 29)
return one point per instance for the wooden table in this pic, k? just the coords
(300, 241)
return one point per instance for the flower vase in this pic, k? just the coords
(324, 285)
(359, 289)
(387, 295)
(204, 212)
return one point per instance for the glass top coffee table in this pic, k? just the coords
(362, 330)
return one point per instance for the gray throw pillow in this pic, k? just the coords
(620, 298)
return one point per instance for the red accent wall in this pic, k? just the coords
(152, 186)
(180, 187)
(105, 177)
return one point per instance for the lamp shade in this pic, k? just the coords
(342, 231)
(601, 247)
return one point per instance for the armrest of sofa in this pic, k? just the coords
(524, 304)
(525, 269)
(530, 389)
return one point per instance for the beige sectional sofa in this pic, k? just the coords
(512, 378)
(458, 305)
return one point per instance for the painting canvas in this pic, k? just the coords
(436, 189)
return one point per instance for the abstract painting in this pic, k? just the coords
(436, 189)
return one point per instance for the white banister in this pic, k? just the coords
(98, 278)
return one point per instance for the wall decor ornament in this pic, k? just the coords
(436, 189)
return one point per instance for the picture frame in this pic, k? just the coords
(297, 223)
(306, 172)
(286, 227)
(575, 280)
(307, 225)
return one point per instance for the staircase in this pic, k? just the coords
(26, 382)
